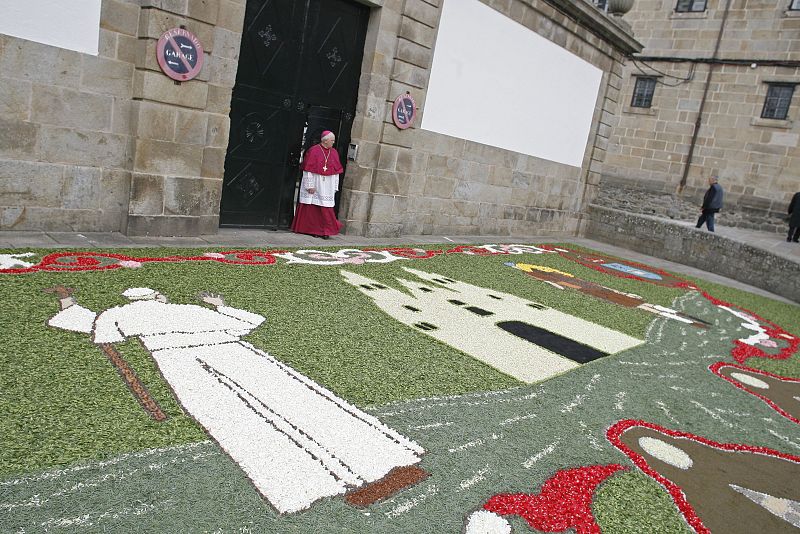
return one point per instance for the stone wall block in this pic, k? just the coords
(154, 120)
(414, 53)
(227, 43)
(179, 7)
(380, 210)
(191, 127)
(80, 147)
(107, 44)
(27, 183)
(218, 131)
(231, 15)
(447, 167)
(222, 71)
(119, 17)
(416, 32)
(126, 48)
(205, 10)
(465, 190)
(391, 183)
(488, 154)
(154, 22)
(219, 99)
(358, 178)
(439, 187)
(121, 112)
(65, 107)
(368, 154)
(382, 229)
(146, 194)
(356, 204)
(163, 157)
(156, 87)
(466, 208)
(393, 136)
(55, 66)
(213, 163)
(81, 188)
(409, 74)
(387, 160)
(107, 76)
(499, 175)
(478, 172)
(140, 225)
(15, 99)
(421, 12)
(115, 187)
(411, 161)
(191, 196)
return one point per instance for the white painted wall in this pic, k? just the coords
(71, 24)
(498, 83)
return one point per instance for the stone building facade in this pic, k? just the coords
(107, 142)
(738, 56)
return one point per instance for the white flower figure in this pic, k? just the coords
(297, 441)
(12, 261)
(486, 522)
(759, 336)
(524, 339)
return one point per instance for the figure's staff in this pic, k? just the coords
(128, 375)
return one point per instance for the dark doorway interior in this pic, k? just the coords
(551, 341)
(299, 69)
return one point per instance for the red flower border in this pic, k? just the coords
(564, 502)
(92, 261)
(716, 367)
(615, 431)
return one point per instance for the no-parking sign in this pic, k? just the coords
(180, 54)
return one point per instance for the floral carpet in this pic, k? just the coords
(477, 389)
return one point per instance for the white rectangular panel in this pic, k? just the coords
(70, 24)
(495, 82)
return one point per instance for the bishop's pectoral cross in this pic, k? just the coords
(324, 167)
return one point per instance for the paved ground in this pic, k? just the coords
(245, 238)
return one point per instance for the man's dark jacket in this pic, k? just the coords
(794, 211)
(713, 200)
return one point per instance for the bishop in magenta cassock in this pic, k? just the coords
(321, 169)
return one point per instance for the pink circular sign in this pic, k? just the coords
(404, 111)
(179, 54)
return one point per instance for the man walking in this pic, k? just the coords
(794, 218)
(712, 203)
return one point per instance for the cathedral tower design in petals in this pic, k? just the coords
(524, 339)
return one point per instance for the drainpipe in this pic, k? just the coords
(699, 119)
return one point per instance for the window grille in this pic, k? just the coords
(776, 105)
(692, 6)
(643, 92)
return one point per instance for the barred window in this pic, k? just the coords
(776, 105)
(643, 92)
(601, 4)
(686, 6)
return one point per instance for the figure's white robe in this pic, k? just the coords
(297, 441)
(326, 188)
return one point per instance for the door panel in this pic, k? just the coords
(298, 73)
